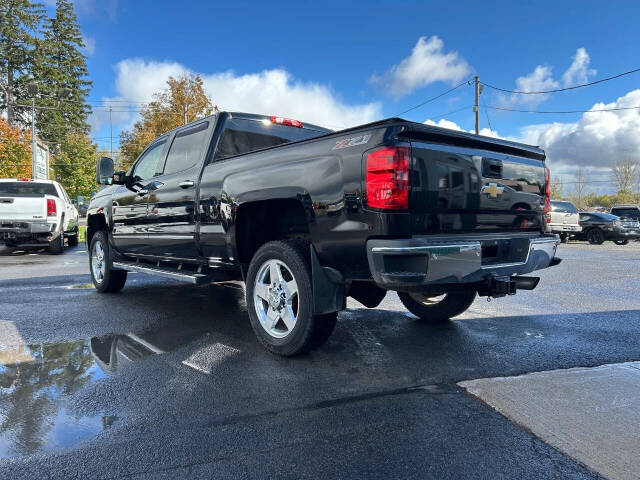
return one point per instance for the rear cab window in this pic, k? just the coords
(563, 207)
(243, 135)
(626, 212)
(27, 189)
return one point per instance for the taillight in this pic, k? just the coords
(52, 210)
(387, 178)
(547, 192)
(548, 218)
(290, 122)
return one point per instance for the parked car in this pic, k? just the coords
(36, 213)
(563, 219)
(626, 212)
(598, 227)
(306, 217)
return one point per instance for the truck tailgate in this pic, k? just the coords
(23, 208)
(472, 190)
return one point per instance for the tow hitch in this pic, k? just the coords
(500, 286)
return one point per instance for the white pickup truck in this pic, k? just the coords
(36, 213)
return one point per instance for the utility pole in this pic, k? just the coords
(476, 108)
(110, 135)
(33, 137)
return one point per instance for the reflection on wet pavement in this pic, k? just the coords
(37, 380)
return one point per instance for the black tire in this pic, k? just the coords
(309, 331)
(564, 237)
(72, 240)
(595, 236)
(624, 241)
(454, 303)
(56, 246)
(112, 280)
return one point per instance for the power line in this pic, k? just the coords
(492, 107)
(466, 82)
(565, 88)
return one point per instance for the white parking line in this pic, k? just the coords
(591, 414)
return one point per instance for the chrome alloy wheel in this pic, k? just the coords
(427, 300)
(275, 297)
(98, 266)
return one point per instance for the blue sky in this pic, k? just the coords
(342, 63)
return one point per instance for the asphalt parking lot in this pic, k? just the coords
(165, 380)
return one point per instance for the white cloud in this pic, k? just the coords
(541, 79)
(273, 92)
(596, 140)
(444, 123)
(579, 71)
(89, 44)
(427, 64)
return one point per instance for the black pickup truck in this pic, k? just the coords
(307, 217)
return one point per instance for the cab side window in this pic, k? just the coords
(148, 164)
(187, 148)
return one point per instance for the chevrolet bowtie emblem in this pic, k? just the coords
(493, 190)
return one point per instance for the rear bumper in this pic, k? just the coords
(17, 231)
(557, 228)
(419, 262)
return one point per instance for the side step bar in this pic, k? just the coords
(174, 273)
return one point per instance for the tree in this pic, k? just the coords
(15, 151)
(581, 185)
(75, 165)
(556, 188)
(19, 23)
(61, 64)
(184, 100)
(626, 173)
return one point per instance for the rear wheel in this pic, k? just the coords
(72, 240)
(434, 309)
(280, 300)
(621, 242)
(595, 236)
(56, 246)
(104, 277)
(564, 237)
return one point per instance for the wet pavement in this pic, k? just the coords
(166, 381)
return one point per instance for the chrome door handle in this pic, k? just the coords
(142, 193)
(186, 184)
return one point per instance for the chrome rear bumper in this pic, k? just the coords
(424, 261)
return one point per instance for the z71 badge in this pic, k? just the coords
(351, 142)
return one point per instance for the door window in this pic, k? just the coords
(187, 148)
(147, 166)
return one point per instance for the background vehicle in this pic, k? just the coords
(563, 219)
(626, 212)
(36, 213)
(598, 227)
(307, 217)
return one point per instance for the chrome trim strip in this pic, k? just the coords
(427, 248)
(162, 273)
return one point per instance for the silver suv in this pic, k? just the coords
(563, 219)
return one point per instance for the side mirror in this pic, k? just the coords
(104, 171)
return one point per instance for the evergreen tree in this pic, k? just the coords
(61, 64)
(19, 23)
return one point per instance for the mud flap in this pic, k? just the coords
(328, 287)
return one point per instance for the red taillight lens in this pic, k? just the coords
(290, 122)
(387, 178)
(547, 192)
(52, 210)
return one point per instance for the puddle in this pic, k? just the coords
(36, 380)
